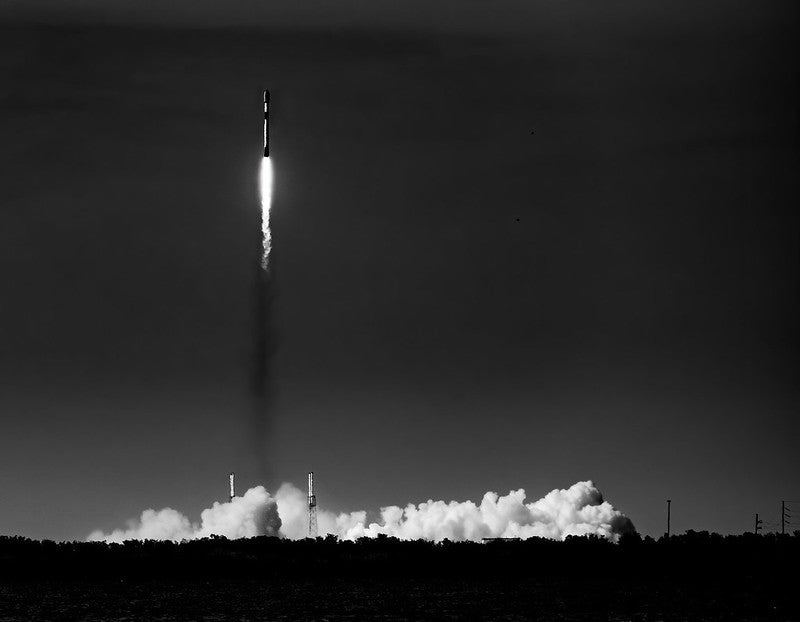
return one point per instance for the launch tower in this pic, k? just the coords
(312, 507)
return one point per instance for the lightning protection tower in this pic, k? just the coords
(312, 507)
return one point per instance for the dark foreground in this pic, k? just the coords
(375, 599)
(693, 577)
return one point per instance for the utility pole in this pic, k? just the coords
(669, 511)
(785, 515)
(758, 525)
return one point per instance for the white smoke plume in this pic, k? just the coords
(577, 510)
(254, 514)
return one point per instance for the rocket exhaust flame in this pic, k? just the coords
(266, 205)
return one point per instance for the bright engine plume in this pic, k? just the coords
(266, 204)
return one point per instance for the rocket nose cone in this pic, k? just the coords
(266, 97)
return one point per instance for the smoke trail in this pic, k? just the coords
(254, 514)
(265, 186)
(577, 510)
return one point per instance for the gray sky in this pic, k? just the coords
(459, 305)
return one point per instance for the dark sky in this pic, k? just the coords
(458, 305)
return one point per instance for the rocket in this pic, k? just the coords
(266, 124)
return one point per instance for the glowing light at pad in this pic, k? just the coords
(266, 204)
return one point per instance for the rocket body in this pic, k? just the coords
(266, 124)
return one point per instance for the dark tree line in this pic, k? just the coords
(694, 555)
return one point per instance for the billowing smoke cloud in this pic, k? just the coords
(254, 514)
(577, 510)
